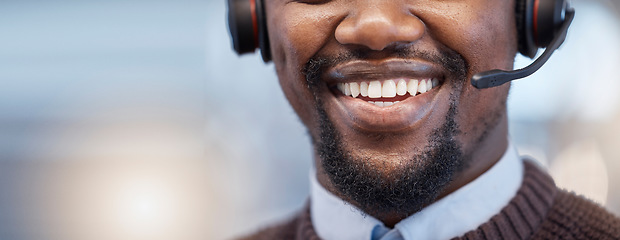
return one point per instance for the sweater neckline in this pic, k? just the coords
(517, 220)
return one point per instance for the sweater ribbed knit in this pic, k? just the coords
(539, 211)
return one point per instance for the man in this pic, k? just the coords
(405, 146)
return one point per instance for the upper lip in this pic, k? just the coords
(389, 69)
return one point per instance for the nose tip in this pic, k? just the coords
(379, 27)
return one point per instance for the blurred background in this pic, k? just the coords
(135, 120)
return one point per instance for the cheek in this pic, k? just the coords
(493, 42)
(486, 38)
(298, 31)
(295, 36)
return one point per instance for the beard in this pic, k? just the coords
(363, 180)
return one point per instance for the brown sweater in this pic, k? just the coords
(539, 211)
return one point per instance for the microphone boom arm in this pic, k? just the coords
(498, 77)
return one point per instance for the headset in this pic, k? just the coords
(540, 24)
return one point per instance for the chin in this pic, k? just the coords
(382, 184)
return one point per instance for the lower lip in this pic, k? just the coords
(365, 116)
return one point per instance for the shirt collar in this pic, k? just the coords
(457, 213)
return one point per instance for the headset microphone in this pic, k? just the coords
(498, 77)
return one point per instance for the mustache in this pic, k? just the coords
(450, 60)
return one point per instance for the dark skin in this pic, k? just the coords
(481, 31)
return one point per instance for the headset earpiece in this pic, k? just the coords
(241, 26)
(263, 36)
(548, 19)
(248, 28)
(538, 22)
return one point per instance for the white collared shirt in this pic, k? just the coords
(452, 216)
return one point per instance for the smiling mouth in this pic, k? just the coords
(384, 96)
(388, 92)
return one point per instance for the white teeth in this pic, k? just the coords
(374, 89)
(379, 104)
(340, 87)
(355, 89)
(429, 85)
(421, 87)
(412, 87)
(364, 89)
(401, 87)
(389, 89)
